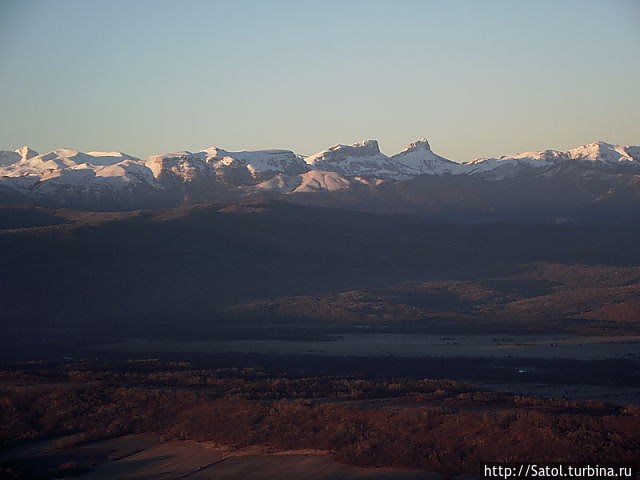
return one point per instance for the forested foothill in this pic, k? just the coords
(439, 425)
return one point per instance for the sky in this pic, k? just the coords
(477, 78)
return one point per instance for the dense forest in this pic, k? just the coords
(432, 424)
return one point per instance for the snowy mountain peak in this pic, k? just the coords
(418, 159)
(257, 162)
(604, 152)
(371, 146)
(70, 177)
(596, 153)
(340, 153)
(25, 152)
(419, 144)
(364, 159)
(361, 158)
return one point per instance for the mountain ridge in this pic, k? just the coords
(115, 180)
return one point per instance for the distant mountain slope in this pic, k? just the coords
(599, 155)
(549, 185)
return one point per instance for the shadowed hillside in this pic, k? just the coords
(163, 270)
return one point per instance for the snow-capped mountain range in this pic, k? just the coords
(106, 180)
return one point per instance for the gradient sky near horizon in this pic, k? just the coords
(477, 78)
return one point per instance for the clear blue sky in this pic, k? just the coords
(477, 78)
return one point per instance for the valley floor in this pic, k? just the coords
(147, 457)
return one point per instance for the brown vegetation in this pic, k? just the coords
(439, 425)
(535, 298)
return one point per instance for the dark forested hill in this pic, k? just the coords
(167, 270)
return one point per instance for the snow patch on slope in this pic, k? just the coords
(321, 180)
